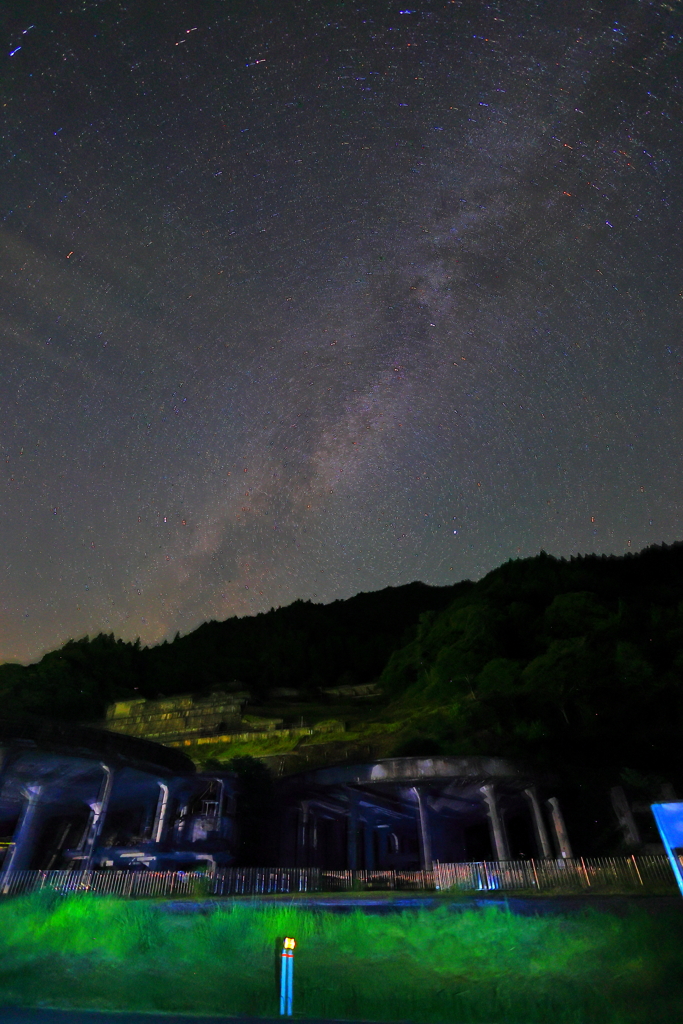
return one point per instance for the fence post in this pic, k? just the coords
(585, 872)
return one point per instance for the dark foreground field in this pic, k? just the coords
(484, 966)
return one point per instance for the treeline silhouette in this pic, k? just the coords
(303, 646)
(560, 662)
(578, 660)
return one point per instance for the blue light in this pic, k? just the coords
(287, 977)
(669, 818)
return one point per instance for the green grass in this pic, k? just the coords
(380, 734)
(470, 967)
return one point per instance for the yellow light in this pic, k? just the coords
(289, 943)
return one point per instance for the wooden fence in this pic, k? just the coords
(598, 873)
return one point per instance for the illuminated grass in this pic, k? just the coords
(468, 967)
(380, 734)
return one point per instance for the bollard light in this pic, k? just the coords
(287, 976)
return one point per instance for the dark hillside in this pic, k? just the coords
(575, 661)
(303, 646)
(572, 664)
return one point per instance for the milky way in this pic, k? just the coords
(302, 299)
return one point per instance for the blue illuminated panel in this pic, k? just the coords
(669, 818)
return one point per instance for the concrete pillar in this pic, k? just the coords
(561, 837)
(369, 837)
(302, 852)
(25, 834)
(313, 840)
(542, 840)
(8, 758)
(98, 812)
(182, 820)
(627, 822)
(220, 805)
(352, 832)
(424, 835)
(382, 832)
(496, 824)
(162, 812)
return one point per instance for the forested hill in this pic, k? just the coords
(579, 661)
(303, 646)
(575, 661)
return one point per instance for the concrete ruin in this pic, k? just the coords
(76, 797)
(186, 721)
(407, 812)
(73, 797)
(178, 718)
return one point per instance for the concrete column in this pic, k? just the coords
(302, 852)
(98, 812)
(382, 832)
(220, 807)
(368, 836)
(182, 820)
(424, 835)
(313, 838)
(352, 832)
(561, 837)
(161, 816)
(25, 834)
(496, 824)
(542, 839)
(627, 822)
(8, 758)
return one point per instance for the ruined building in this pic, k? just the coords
(407, 812)
(130, 796)
(193, 722)
(77, 797)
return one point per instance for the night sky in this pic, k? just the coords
(299, 299)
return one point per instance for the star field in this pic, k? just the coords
(301, 299)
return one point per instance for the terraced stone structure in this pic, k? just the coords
(178, 718)
(187, 721)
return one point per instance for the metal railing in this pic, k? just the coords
(600, 874)
(583, 873)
